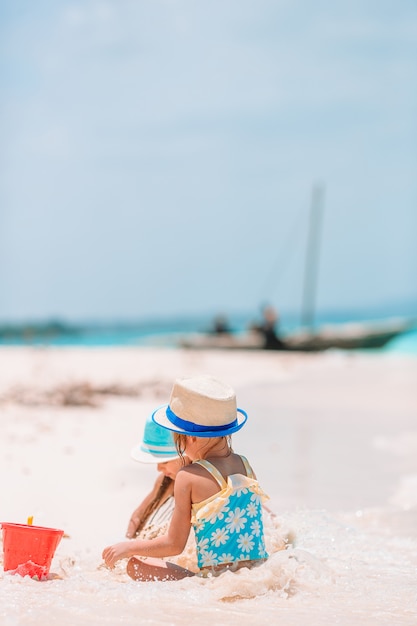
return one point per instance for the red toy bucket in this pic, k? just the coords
(29, 550)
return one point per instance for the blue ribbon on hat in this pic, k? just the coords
(191, 426)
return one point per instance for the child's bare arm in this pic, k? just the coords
(168, 545)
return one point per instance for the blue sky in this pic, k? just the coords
(158, 157)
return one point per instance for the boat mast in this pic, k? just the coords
(312, 257)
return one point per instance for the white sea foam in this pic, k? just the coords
(335, 562)
(330, 443)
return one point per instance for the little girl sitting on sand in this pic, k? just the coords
(217, 493)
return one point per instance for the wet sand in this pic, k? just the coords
(332, 438)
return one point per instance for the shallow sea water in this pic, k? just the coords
(345, 569)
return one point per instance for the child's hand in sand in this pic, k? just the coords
(117, 551)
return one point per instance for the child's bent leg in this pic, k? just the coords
(155, 569)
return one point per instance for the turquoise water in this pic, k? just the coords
(163, 333)
(405, 344)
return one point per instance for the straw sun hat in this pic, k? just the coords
(157, 445)
(201, 406)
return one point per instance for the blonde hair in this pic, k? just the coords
(180, 441)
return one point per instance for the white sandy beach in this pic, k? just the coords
(332, 438)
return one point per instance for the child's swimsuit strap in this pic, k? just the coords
(213, 471)
(249, 470)
(218, 476)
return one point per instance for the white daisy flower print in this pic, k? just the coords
(236, 521)
(209, 558)
(252, 509)
(255, 497)
(245, 542)
(198, 525)
(226, 558)
(203, 544)
(219, 537)
(256, 528)
(217, 515)
(240, 491)
(262, 551)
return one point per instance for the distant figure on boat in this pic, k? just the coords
(220, 326)
(268, 328)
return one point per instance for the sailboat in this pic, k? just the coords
(347, 336)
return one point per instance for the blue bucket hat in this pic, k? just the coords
(157, 445)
